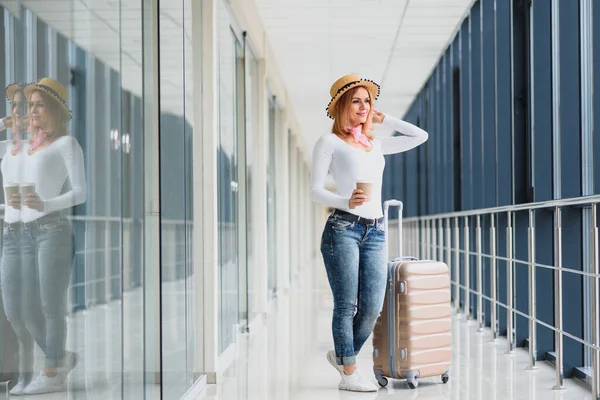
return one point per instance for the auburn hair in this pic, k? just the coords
(341, 120)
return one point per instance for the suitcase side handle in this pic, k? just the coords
(386, 206)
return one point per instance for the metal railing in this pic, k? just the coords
(438, 236)
(109, 256)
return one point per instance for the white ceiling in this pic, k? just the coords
(396, 43)
(116, 39)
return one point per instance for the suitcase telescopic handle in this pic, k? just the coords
(386, 206)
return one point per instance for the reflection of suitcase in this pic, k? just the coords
(9, 351)
(415, 321)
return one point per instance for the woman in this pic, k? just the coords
(53, 160)
(11, 151)
(353, 241)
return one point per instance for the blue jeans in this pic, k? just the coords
(355, 259)
(46, 261)
(20, 293)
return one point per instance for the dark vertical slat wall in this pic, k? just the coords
(490, 124)
(542, 165)
(488, 133)
(570, 170)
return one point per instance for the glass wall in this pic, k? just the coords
(227, 175)
(83, 149)
(271, 199)
(176, 136)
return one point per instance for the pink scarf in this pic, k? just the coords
(360, 137)
(39, 140)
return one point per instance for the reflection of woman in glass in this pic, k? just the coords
(11, 151)
(53, 160)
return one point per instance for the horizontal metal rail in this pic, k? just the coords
(439, 236)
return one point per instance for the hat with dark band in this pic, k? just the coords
(346, 83)
(54, 89)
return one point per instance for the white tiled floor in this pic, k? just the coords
(286, 361)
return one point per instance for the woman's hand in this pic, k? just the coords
(378, 117)
(15, 201)
(357, 199)
(7, 121)
(34, 202)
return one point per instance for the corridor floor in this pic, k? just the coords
(285, 360)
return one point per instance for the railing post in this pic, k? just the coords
(595, 308)
(532, 294)
(479, 276)
(416, 234)
(449, 249)
(493, 283)
(433, 239)
(467, 272)
(457, 265)
(423, 239)
(509, 285)
(441, 240)
(429, 240)
(558, 311)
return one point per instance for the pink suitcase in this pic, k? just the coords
(413, 335)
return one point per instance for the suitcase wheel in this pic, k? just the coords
(413, 384)
(382, 380)
(445, 378)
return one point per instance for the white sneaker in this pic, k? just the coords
(333, 362)
(45, 384)
(19, 387)
(356, 383)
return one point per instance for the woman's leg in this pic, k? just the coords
(55, 260)
(19, 293)
(341, 256)
(372, 284)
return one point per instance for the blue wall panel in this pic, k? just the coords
(571, 178)
(465, 100)
(596, 67)
(475, 165)
(488, 135)
(503, 143)
(542, 142)
(520, 140)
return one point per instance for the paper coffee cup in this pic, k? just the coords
(10, 189)
(366, 187)
(27, 188)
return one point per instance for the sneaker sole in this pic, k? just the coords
(349, 389)
(56, 390)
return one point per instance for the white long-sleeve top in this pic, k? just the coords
(49, 168)
(12, 172)
(348, 164)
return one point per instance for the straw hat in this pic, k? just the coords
(346, 83)
(11, 90)
(54, 89)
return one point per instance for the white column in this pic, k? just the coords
(205, 178)
(260, 191)
(282, 212)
